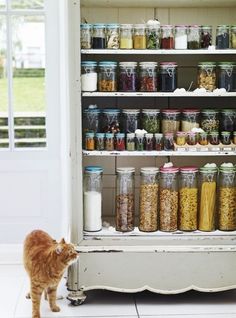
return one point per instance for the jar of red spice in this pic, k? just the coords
(167, 37)
(158, 141)
(149, 142)
(148, 76)
(120, 142)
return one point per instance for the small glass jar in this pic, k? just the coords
(125, 203)
(110, 121)
(130, 120)
(89, 141)
(126, 36)
(228, 120)
(225, 76)
(109, 142)
(214, 138)
(130, 142)
(86, 36)
(151, 120)
(222, 37)
(139, 37)
(120, 142)
(225, 137)
(206, 36)
(203, 139)
(100, 141)
(194, 37)
(208, 192)
(210, 120)
(107, 81)
(169, 142)
(149, 142)
(190, 119)
(234, 138)
(188, 199)
(89, 76)
(92, 198)
(153, 37)
(99, 36)
(192, 138)
(148, 202)
(233, 36)
(207, 75)
(181, 39)
(227, 199)
(139, 142)
(168, 76)
(148, 76)
(168, 199)
(170, 121)
(159, 146)
(180, 138)
(128, 78)
(167, 37)
(91, 119)
(113, 37)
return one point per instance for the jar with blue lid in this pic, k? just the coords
(99, 36)
(109, 142)
(100, 141)
(107, 77)
(89, 141)
(91, 119)
(110, 121)
(86, 35)
(89, 76)
(112, 36)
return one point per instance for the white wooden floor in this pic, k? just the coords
(13, 304)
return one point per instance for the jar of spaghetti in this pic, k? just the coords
(206, 36)
(192, 138)
(180, 138)
(126, 36)
(151, 120)
(131, 118)
(89, 141)
(130, 142)
(159, 142)
(225, 137)
(139, 38)
(107, 81)
(109, 143)
(86, 36)
(113, 38)
(120, 142)
(128, 78)
(207, 75)
(168, 76)
(167, 37)
(99, 36)
(149, 142)
(148, 76)
(190, 119)
(100, 141)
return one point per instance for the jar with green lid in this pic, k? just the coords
(107, 76)
(153, 36)
(130, 142)
(208, 192)
(228, 120)
(126, 36)
(214, 138)
(227, 198)
(225, 137)
(99, 36)
(191, 138)
(112, 36)
(148, 202)
(210, 120)
(86, 35)
(207, 75)
(222, 37)
(151, 120)
(225, 76)
(130, 119)
(139, 36)
(206, 36)
(203, 138)
(190, 119)
(233, 36)
(194, 37)
(148, 76)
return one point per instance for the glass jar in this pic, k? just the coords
(92, 195)
(131, 119)
(225, 76)
(159, 146)
(130, 142)
(234, 138)
(222, 37)
(233, 36)
(148, 76)
(148, 202)
(170, 120)
(109, 142)
(228, 120)
(167, 37)
(91, 119)
(206, 36)
(110, 121)
(180, 138)
(227, 199)
(203, 139)
(89, 141)
(234, 78)
(214, 138)
(192, 138)
(210, 120)
(120, 142)
(194, 37)
(128, 78)
(107, 81)
(188, 199)
(190, 119)
(149, 142)
(207, 213)
(181, 40)
(125, 206)
(99, 36)
(151, 120)
(168, 199)
(139, 38)
(153, 37)
(126, 36)
(113, 37)
(86, 36)
(207, 75)
(100, 141)
(169, 141)
(89, 76)
(168, 76)
(225, 137)
(139, 142)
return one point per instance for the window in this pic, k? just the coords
(22, 74)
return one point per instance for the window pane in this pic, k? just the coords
(2, 4)
(27, 4)
(29, 81)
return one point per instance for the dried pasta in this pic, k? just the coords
(207, 206)
(188, 209)
(227, 209)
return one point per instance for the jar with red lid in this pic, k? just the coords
(120, 142)
(190, 119)
(167, 37)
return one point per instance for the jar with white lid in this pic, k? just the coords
(86, 36)
(126, 36)
(113, 36)
(89, 76)
(139, 36)
(194, 37)
(131, 118)
(148, 76)
(92, 193)
(99, 36)
(128, 77)
(181, 40)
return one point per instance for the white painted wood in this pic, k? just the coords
(95, 153)
(158, 94)
(158, 52)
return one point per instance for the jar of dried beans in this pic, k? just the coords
(107, 81)
(148, 76)
(128, 78)
(167, 37)
(139, 38)
(168, 76)
(206, 36)
(207, 75)
(113, 38)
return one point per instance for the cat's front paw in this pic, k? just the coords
(55, 308)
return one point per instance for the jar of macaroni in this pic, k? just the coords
(207, 75)
(139, 37)
(126, 36)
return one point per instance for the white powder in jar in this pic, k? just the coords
(92, 211)
(89, 82)
(181, 42)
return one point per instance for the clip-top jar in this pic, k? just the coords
(194, 37)
(89, 76)
(139, 38)
(190, 119)
(181, 41)
(151, 120)
(128, 78)
(210, 120)
(207, 75)
(92, 192)
(130, 120)
(206, 36)
(170, 121)
(153, 36)
(126, 36)
(168, 76)
(225, 76)
(111, 121)
(107, 81)
(222, 37)
(113, 38)
(148, 76)
(86, 36)
(167, 37)
(125, 199)
(228, 120)
(99, 36)
(233, 36)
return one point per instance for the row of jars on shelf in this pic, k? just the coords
(171, 199)
(141, 36)
(104, 76)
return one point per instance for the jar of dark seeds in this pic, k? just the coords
(222, 37)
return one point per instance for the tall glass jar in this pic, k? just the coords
(131, 118)
(207, 212)
(89, 76)
(207, 75)
(99, 36)
(167, 37)
(233, 36)
(159, 143)
(126, 36)
(151, 120)
(86, 36)
(206, 36)
(153, 37)
(107, 80)
(222, 37)
(128, 78)
(125, 203)
(91, 119)
(181, 41)
(194, 37)
(139, 37)
(188, 199)
(168, 76)
(168, 199)
(225, 76)
(92, 193)
(89, 141)
(190, 119)
(210, 120)
(228, 120)
(148, 76)
(148, 202)
(227, 199)
(170, 121)
(113, 37)
(168, 141)
(110, 121)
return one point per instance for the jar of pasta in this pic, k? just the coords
(126, 36)
(222, 37)
(170, 121)
(86, 36)
(227, 198)
(107, 81)
(151, 120)
(148, 202)
(168, 198)
(113, 38)
(190, 119)
(128, 78)
(130, 120)
(207, 212)
(207, 75)
(206, 36)
(168, 76)
(139, 38)
(188, 199)
(148, 76)
(210, 120)
(125, 199)
(167, 37)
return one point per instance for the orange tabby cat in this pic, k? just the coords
(45, 260)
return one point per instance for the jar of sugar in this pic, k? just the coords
(181, 38)
(89, 76)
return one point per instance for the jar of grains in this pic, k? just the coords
(233, 36)
(130, 118)
(181, 41)
(168, 76)
(126, 36)
(139, 36)
(222, 37)
(227, 198)
(168, 198)
(89, 76)
(151, 120)
(130, 142)
(190, 119)
(92, 194)
(194, 37)
(206, 36)
(210, 120)
(170, 120)
(128, 78)
(107, 81)
(167, 37)
(99, 36)
(153, 36)
(207, 75)
(113, 37)
(228, 120)
(125, 207)
(110, 121)
(207, 212)
(148, 76)
(225, 76)
(188, 199)
(86, 36)
(148, 202)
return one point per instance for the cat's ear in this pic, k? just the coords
(63, 241)
(59, 249)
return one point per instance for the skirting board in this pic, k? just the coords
(11, 254)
